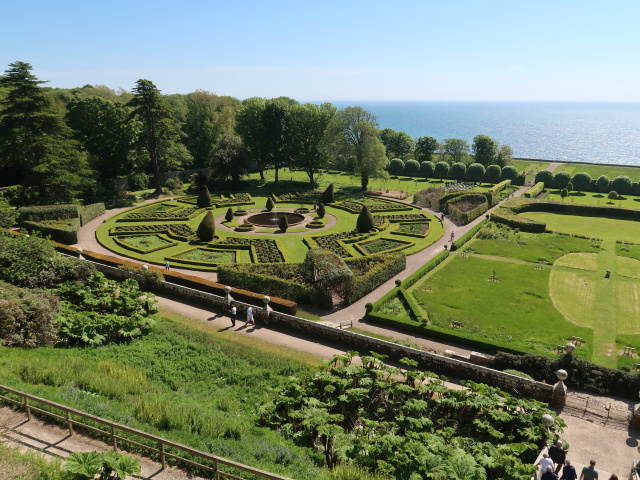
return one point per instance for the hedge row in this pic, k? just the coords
(375, 276)
(426, 268)
(123, 244)
(60, 232)
(89, 212)
(48, 212)
(496, 189)
(534, 191)
(465, 217)
(467, 236)
(190, 281)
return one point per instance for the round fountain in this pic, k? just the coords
(273, 219)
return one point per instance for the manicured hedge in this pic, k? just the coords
(375, 276)
(467, 236)
(48, 212)
(466, 217)
(89, 212)
(534, 191)
(495, 191)
(128, 246)
(426, 268)
(60, 232)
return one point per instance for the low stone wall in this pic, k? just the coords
(433, 362)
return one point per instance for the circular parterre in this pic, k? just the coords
(167, 230)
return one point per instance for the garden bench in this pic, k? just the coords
(457, 324)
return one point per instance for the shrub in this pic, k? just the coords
(207, 228)
(321, 210)
(546, 177)
(364, 224)
(467, 207)
(269, 205)
(536, 190)
(396, 166)
(621, 184)
(65, 231)
(475, 172)
(8, 214)
(603, 183)
(229, 215)
(411, 168)
(427, 169)
(328, 194)
(204, 199)
(89, 212)
(563, 193)
(283, 224)
(138, 181)
(581, 181)
(510, 173)
(612, 195)
(493, 173)
(27, 317)
(458, 170)
(173, 184)
(561, 180)
(441, 170)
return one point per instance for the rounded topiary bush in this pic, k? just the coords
(269, 205)
(244, 228)
(328, 194)
(204, 199)
(239, 213)
(368, 307)
(396, 166)
(229, 215)
(398, 282)
(283, 223)
(315, 224)
(364, 224)
(207, 228)
(321, 210)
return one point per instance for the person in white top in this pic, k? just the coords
(545, 462)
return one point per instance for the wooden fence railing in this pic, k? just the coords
(72, 417)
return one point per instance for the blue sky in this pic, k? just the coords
(561, 50)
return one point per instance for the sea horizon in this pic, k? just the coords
(569, 131)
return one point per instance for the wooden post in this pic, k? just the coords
(26, 406)
(163, 459)
(217, 470)
(69, 423)
(114, 439)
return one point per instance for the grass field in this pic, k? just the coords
(592, 198)
(611, 171)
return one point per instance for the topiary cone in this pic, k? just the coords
(321, 210)
(207, 228)
(328, 194)
(364, 224)
(283, 223)
(204, 199)
(269, 206)
(229, 215)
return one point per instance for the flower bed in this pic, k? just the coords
(379, 245)
(267, 251)
(144, 243)
(181, 230)
(184, 213)
(207, 255)
(331, 242)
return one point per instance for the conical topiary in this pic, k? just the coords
(229, 215)
(283, 223)
(365, 221)
(207, 228)
(327, 195)
(204, 199)
(269, 206)
(321, 210)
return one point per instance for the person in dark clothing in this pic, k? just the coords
(569, 472)
(549, 474)
(558, 455)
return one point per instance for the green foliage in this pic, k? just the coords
(229, 215)
(396, 166)
(207, 228)
(493, 173)
(427, 168)
(467, 236)
(269, 205)
(283, 223)
(103, 311)
(364, 223)
(49, 212)
(534, 191)
(411, 168)
(372, 271)
(321, 210)
(441, 170)
(546, 177)
(138, 181)
(581, 181)
(63, 231)
(327, 271)
(510, 173)
(89, 212)
(8, 214)
(612, 195)
(561, 179)
(22, 257)
(563, 193)
(375, 416)
(29, 465)
(107, 465)
(204, 199)
(458, 170)
(603, 183)
(468, 207)
(328, 195)
(475, 172)
(27, 317)
(173, 184)
(621, 184)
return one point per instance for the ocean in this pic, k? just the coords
(567, 131)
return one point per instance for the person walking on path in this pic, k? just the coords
(549, 474)
(568, 471)
(545, 462)
(233, 311)
(557, 454)
(250, 320)
(590, 472)
(452, 235)
(167, 265)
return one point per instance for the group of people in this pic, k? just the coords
(233, 313)
(556, 459)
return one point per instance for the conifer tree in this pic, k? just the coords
(229, 215)
(321, 210)
(269, 206)
(328, 194)
(364, 224)
(283, 223)
(207, 228)
(204, 199)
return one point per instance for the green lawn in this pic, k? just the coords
(592, 198)
(611, 171)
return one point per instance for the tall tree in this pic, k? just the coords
(36, 146)
(361, 135)
(274, 118)
(484, 150)
(208, 118)
(308, 137)
(249, 127)
(230, 159)
(456, 149)
(426, 147)
(107, 131)
(397, 144)
(148, 105)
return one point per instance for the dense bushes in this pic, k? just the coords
(467, 236)
(534, 191)
(60, 222)
(64, 231)
(467, 207)
(372, 271)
